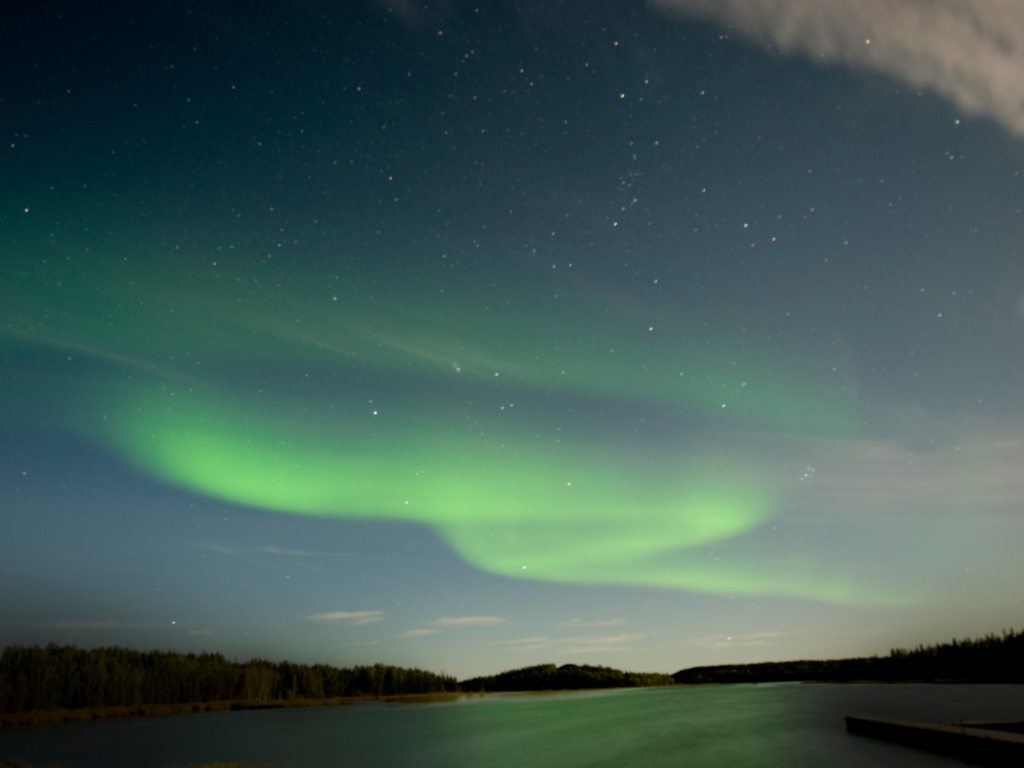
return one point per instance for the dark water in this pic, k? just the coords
(728, 726)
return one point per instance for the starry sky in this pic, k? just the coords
(476, 335)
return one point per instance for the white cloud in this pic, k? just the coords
(969, 51)
(532, 642)
(352, 617)
(576, 644)
(420, 632)
(577, 622)
(469, 621)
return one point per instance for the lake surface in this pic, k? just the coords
(714, 727)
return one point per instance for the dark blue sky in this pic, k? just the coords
(472, 336)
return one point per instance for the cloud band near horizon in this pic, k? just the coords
(352, 617)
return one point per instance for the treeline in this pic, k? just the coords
(67, 677)
(990, 659)
(548, 677)
(58, 677)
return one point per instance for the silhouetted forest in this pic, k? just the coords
(35, 678)
(66, 677)
(991, 659)
(548, 677)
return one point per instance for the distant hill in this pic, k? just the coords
(991, 659)
(548, 677)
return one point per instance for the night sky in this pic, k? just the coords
(476, 335)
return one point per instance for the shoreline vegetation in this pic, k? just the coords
(89, 713)
(62, 683)
(990, 659)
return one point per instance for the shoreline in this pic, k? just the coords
(41, 717)
(89, 714)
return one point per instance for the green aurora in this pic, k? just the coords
(509, 494)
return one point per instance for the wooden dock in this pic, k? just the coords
(995, 745)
